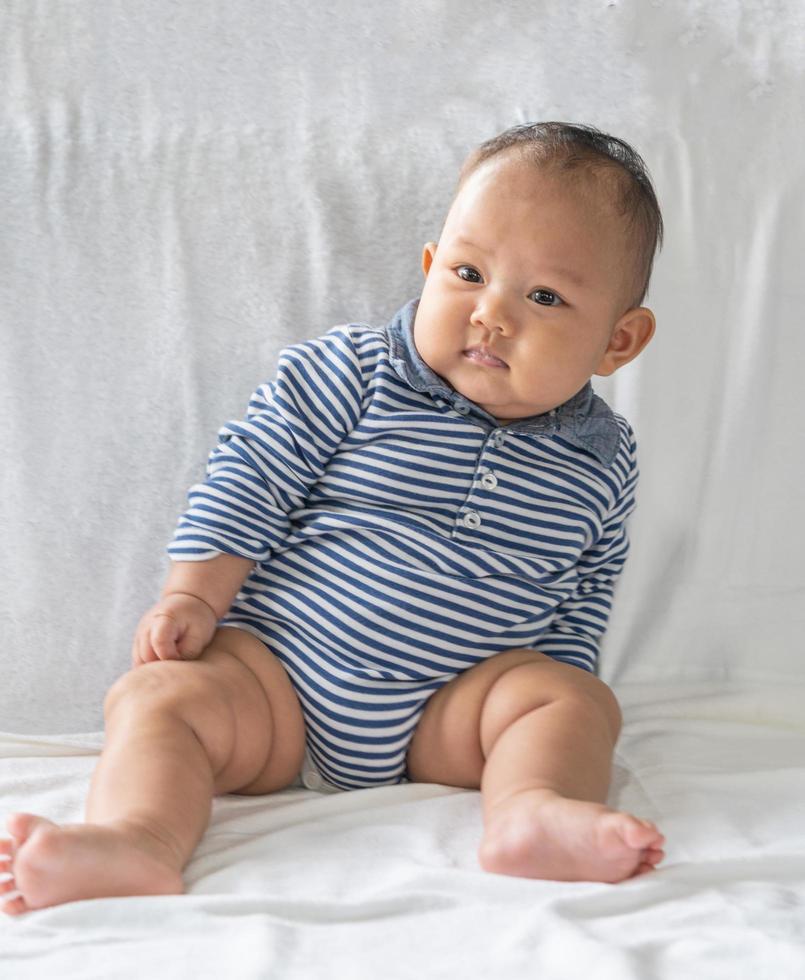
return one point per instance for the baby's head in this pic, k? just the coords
(541, 269)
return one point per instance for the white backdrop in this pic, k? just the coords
(187, 187)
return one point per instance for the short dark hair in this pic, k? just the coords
(572, 148)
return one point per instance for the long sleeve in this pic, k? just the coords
(265, 464)
(581, 620)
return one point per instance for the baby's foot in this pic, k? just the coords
(539, 834)
(50, 864)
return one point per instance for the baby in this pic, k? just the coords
(402, 560)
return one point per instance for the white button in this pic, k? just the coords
(489, 480)
(312, 779)
(472, 519)
(461, 407)
(498, 438)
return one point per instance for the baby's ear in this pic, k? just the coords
(629, 336)
(427, 257)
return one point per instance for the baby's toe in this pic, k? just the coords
(15, 906)
(643, 869)
(20, 825)
(641, 834)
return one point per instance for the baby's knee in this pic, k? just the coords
(544, 681)
(586, 688)
(605, 698)
(157, 685)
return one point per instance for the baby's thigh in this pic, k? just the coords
(239, 701)
(267, 713)
(446, 747)
(463, 719)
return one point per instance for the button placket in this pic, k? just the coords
(470, 518)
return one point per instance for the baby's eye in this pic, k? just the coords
(546, 298)
(466, 271)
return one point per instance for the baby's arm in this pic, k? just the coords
(581, 619)
(259, 474)
(195, 596)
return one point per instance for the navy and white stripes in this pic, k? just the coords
(401, 537)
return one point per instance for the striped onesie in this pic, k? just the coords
(401, 536)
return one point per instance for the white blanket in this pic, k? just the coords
(187, 187)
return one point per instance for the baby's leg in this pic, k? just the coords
(177, 733)
(537, 737)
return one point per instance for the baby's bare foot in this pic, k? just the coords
(50, 864)
(539, 834)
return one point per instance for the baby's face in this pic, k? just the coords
(526, 295)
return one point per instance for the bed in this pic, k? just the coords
(187, 188)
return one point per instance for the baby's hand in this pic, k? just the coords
(178, 627)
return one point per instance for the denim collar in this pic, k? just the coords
(585, 420)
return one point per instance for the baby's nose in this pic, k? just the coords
(494, 313)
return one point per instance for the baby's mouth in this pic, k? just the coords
(482, 355)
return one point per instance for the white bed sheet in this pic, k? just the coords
(385, 882)
(187, 187)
